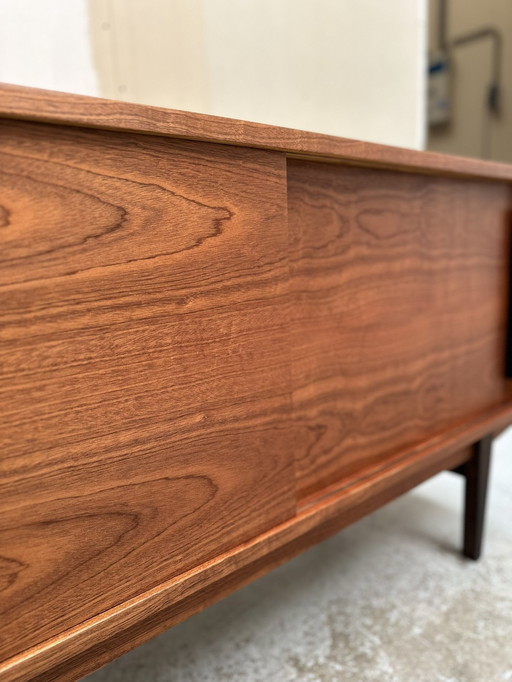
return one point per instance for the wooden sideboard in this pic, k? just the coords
(220, 343)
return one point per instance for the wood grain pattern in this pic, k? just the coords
(214, 356)
(399, 311)
(145, 366)
(96, 642)
(59, 107)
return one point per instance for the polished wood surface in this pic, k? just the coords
(214, 356)
(58, 107)
(399, 315)
(97, 641)
(145, 366)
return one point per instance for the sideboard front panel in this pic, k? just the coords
(399, 285)
(145, 393)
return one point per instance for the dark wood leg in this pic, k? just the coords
(476, 474)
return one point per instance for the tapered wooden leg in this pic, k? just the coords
(476, 474)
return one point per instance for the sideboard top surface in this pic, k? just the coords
(33, 104)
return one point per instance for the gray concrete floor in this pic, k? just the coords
(388, 599)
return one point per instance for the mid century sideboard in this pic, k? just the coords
(221, 342)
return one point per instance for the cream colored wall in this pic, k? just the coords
(471, 77)
(346, 67)
(349, 67)
(46, 44)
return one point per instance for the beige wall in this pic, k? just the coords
(353, 68)
(471, 77)
(346, 67)
(46, 44)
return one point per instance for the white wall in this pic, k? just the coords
(345, 67)
(46, 44)
(353, 68)
(348, 68)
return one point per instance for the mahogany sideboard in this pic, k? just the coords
(220, 343)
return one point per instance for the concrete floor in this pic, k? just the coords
(388, 599)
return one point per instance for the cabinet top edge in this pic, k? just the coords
(47, 106)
